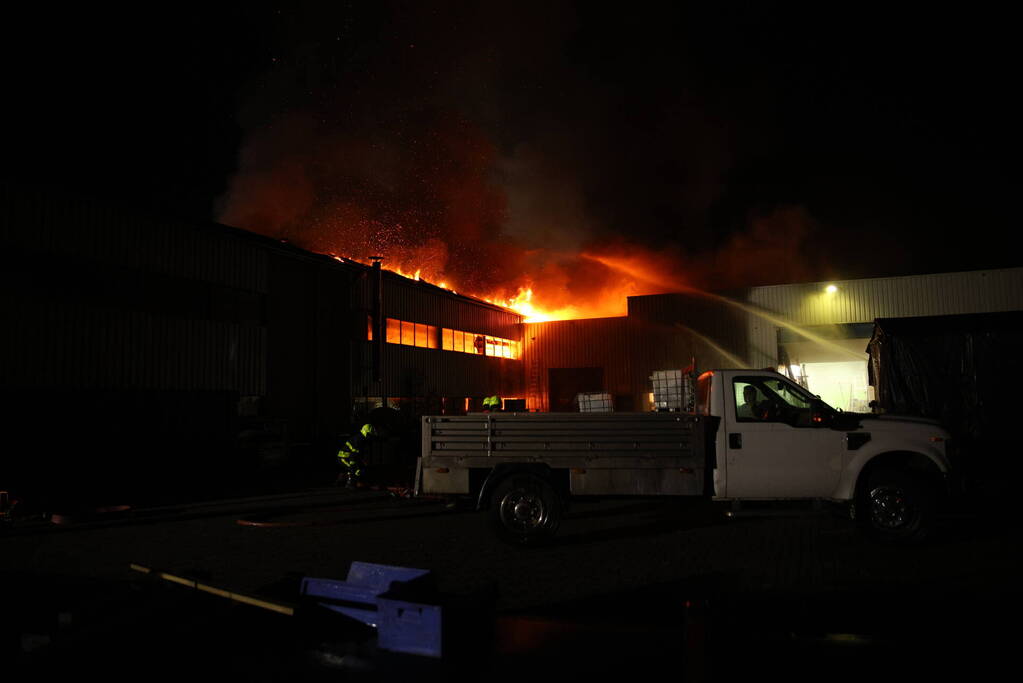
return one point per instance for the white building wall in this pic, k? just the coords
(861, 301)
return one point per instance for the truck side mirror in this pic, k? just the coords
(820, 416)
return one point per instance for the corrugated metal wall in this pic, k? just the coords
(657, 346)
(125, 334)
(310, 331)
(98, 232)
(661, 332)
(855, 301)
(60, 346)
(596, 342)
(861, 301)
(415, 373)
(197, 328)
(143, 333)
(742, 328)
(715, 331)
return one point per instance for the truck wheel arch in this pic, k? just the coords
(557, 479)
(896, 497)
(916, 464)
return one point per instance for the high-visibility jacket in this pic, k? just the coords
(492, 403)
(350, 462)
(350, 454)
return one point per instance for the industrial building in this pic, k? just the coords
(142, 349)
(815, 332)
(176, 351)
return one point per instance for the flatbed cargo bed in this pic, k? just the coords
(619, 453)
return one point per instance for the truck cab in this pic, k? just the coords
(777, 441)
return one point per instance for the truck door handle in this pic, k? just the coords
(735, 440)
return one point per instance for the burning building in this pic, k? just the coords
(191, 353)
(815, 332)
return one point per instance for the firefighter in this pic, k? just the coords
(492, 404)
(351, 456)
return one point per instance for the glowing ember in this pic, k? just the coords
(551, 293)
(454, 210)
(440, 217)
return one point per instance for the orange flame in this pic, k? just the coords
(548, 294)
(522, 303)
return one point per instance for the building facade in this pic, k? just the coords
(192, 351)
(815, 332)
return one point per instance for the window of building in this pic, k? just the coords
(412, 334)
(501, 348)
(481, 344)
(425, 336)
(431, 337)
(453, 340)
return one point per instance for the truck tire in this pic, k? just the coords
(525, 509)
(894, 506)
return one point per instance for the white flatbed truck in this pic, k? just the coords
(783, 443)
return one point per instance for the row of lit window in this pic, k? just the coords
(427, 337)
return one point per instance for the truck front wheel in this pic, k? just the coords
(894, 506)
(525, 509)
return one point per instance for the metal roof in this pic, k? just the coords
(853, 301)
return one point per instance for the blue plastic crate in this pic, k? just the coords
(356, 596)
(410, 627)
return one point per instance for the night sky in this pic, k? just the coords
(753, 144)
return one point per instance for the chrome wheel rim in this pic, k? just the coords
(889, 507)
(523, 510)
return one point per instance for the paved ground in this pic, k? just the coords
(627, 586)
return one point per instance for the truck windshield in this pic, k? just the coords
(764, 399)
(791, 394)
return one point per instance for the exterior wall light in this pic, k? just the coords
(831, 289)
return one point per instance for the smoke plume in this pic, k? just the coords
(497, 176)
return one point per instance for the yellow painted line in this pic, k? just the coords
(213, 590)
(846, 638)
(256, 602)
(176, 579)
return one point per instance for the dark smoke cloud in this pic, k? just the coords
(489, 153)
(578, 150)
(520, 136)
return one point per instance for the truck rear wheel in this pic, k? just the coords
(525, 509)
(895, 506)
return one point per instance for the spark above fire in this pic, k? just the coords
(521, 303)
(555, 298)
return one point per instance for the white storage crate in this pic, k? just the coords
(673, 390)
(595, 403)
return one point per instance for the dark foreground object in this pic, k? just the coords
(158, 631)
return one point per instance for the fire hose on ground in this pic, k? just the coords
(320, 521)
